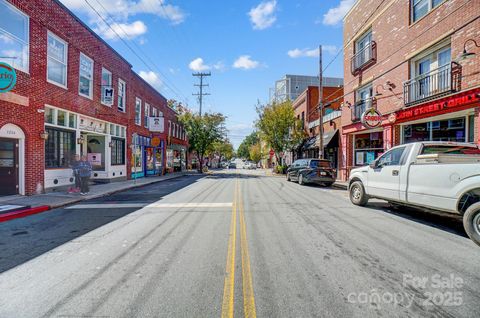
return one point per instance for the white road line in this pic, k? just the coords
(152, 205)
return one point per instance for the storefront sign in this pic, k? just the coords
(371, 118)
(433, 107)
(8, 78)
(156, 124)
(95, 159)
(107, 95)
(88, 124)
(392, 118)
(155, 142)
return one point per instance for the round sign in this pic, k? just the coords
(392, 118)
(371, 118)
(155, 141)
(8, 78)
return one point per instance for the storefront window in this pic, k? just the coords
(59, 148)
(137, 159)
(61, 116)
(72, 121)
(118, 152)
(442, 130)
(471, 128)
(49, 115)
(367, 147)
(150, 158)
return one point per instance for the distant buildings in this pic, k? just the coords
(291, 86)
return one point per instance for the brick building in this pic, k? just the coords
(401, 58)
(305, 107)
(60, 106)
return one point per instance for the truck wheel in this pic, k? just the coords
(300, 179)
(471, 222)
(357, 194)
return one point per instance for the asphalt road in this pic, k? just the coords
(236, 242)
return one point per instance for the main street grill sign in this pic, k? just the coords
(8, 78)
(371, 118)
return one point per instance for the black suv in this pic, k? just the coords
(318, 171)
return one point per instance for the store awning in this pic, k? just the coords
(330, 140)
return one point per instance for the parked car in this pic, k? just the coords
(318, 171)
(442, 176)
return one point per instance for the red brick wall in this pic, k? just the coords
(398, 40)
(49, 15)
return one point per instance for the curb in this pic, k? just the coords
(43, 208)
(340, 186)
(23, 213)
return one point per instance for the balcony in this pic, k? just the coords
(441, 81)
(364, 58)
(360, 107)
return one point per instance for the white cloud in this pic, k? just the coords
(119, 12)
(198, 65)
(220, 66)
(263, 15)
(335, 15)
(296, 53)
(246, 63)
(124, 30)
(152, 78)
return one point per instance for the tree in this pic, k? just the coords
(279, 127)
(255, 153)
(244, 148)
(223, 149)
(203, 132)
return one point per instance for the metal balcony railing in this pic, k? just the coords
(360, 107)
(441, 81)
(364, 58)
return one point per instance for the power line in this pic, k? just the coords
(355, 34)
(172, 88)
(396, 52)
(200, 94)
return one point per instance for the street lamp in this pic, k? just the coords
(467, 55)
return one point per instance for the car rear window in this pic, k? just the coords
(319, 163)
(450, 150)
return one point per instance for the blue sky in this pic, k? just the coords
(247, 45)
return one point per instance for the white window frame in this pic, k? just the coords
(106, 71)
(146, 114)
(154, 112)
(49, 33)
(169, 127)
(82, 55)
(430, 8)
(14, 38)
(138, 111)
(123, 93)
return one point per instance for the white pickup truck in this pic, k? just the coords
(442, 176)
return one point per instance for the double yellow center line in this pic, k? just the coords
(247, 282)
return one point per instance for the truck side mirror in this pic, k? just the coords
(373, 164)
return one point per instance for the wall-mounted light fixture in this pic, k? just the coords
(44, 135)
(467, 55)
(111, 144)
(81, 140)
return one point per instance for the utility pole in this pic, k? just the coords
(320, 102)
(201, 85)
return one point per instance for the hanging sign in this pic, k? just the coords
(371, 118)
(8, 77)
(156, 124)
(107, 95)
(155, 142)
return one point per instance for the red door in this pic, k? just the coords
(8, 166)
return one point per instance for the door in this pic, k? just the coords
(384, 179)
(423, 70)
(8, 166)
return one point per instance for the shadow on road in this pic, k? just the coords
(451, 223)
(24, 239)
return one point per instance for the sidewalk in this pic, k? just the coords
(59, 199)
